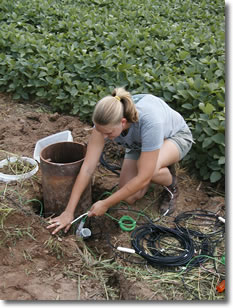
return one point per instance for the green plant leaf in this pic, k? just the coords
(71, 53)
(207, 142)
(187, 106)
(221, 160)
(215, 176)
(219, 138)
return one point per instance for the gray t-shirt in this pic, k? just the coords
(157, 121)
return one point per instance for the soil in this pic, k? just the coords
(38, 266)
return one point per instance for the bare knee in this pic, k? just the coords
(130, 200)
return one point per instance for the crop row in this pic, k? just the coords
(70, 53)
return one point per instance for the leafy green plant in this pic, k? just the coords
(71, 53)
(209, 154)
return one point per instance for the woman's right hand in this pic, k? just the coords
(60, 222)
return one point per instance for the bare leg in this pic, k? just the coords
(168, 155)
(128, 171)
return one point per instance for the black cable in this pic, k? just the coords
(188, 290)
(112, 168)
(203, 242)
(196, 216)
(179, 246)
(130, 257)
(146, 241)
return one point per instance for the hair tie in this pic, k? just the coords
(118, 98)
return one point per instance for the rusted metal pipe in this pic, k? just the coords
(60, 164)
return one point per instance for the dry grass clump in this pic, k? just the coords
(16, 167)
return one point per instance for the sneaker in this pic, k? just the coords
(168, 198)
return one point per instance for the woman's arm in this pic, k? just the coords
(94, 150)
(146, 168)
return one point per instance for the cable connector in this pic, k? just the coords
(167, 211)
(125, 249)
(221, 219)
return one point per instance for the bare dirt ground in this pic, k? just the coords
(38, 266)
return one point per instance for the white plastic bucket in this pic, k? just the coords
(44, 142)
(12, 177)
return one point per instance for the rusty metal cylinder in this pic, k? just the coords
(60, 164)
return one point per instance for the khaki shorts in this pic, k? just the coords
(183, 140)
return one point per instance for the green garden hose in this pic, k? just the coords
(127, 223)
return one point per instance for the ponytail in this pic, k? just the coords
(112, 108)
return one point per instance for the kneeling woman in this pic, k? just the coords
(154, 136)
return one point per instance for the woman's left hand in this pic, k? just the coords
(98, 209)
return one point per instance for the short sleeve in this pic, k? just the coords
(152, 134)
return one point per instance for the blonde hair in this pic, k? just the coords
(112, 108)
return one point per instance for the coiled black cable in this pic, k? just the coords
(203, 241)
(112, 168)
(146, 240)
(197, 215)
